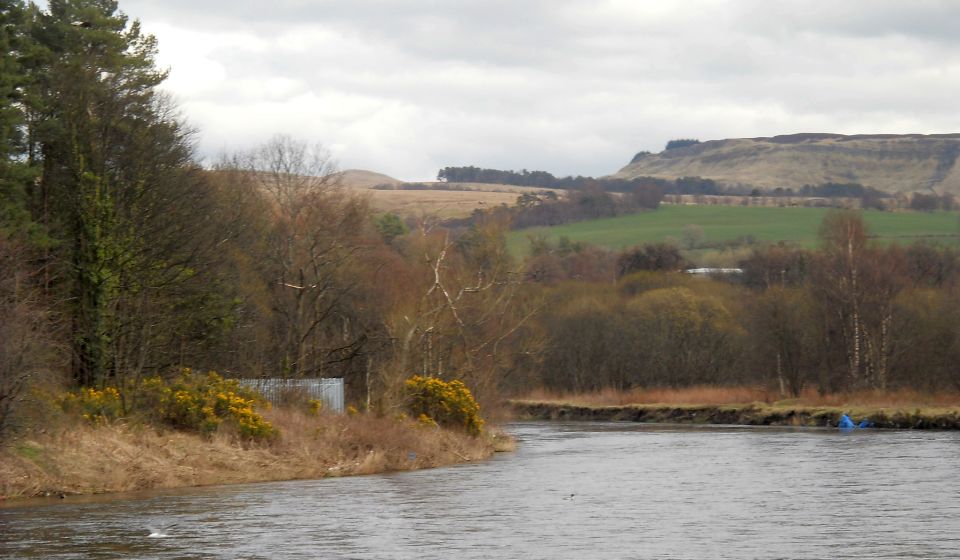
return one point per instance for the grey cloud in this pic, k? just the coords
(934, 20)
(571, 86)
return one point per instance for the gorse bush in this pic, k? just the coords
(201, 403)
(448, 403)
(95, 406)
(190, 402)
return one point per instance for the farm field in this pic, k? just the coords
(448, 200)
(442, 204)
(719, 224)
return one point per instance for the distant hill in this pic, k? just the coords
(362, 179)
(894, 163)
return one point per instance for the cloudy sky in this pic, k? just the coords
(405, 87)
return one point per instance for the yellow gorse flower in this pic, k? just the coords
(192, 402)
(448, 403)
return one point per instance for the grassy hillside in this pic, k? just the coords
(363, 179)
(443, 204)
(448, 200)
(725, 223)
(893, 163)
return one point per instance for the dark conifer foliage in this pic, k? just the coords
(115, 203)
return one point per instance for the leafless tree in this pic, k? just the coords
(314, 236)
(856, 284)
(27, 351)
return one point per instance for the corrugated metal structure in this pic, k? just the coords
(283, 391)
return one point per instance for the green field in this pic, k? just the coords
(726, 223)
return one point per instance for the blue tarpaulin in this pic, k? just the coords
(847, 424)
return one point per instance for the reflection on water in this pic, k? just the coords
(639, 492)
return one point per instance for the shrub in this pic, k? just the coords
(448, 403)
(191, 402)
(93, 405)
(201, 403)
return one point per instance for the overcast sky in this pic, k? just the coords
(406, 87)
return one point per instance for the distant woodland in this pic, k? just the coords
(121, 257)
(869, 197)
(543, 179)
(848, 315)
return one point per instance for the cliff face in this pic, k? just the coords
(889, 162)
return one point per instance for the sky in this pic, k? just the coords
(573, 87)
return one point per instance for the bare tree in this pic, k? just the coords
(838, 283)
(471, 307)
(315, 235)
(26, 349)
(784, 335)
(857, 284)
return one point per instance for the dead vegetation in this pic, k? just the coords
(447, 200)
(87, 459)
(717, 395)
(746, 405)
(752, 414)
(443, 204)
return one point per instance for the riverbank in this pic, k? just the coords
(754, 414)
(89, 459)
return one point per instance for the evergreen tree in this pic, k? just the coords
(15, 174)
(118, 189)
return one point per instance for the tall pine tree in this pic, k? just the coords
(118, 187)
(15, 174)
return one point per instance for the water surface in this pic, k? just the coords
(638, 492)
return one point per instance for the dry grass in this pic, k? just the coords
(710, 395)
(444, 204)
(690, 395)
(363, 179)
(903, 398)
(117, 458)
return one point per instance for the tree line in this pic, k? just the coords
(544, 179)
(871, 197)
(121, 257)
(547, 208)
(850, 315)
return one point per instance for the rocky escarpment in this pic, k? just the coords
(895, 163)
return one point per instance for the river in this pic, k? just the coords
(638, 491)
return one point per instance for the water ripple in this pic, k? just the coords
(638, 492)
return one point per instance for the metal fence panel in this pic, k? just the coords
(327, 390)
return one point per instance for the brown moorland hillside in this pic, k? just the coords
(440, 199)
(445, 200)
(363, 179)
(895, 163)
